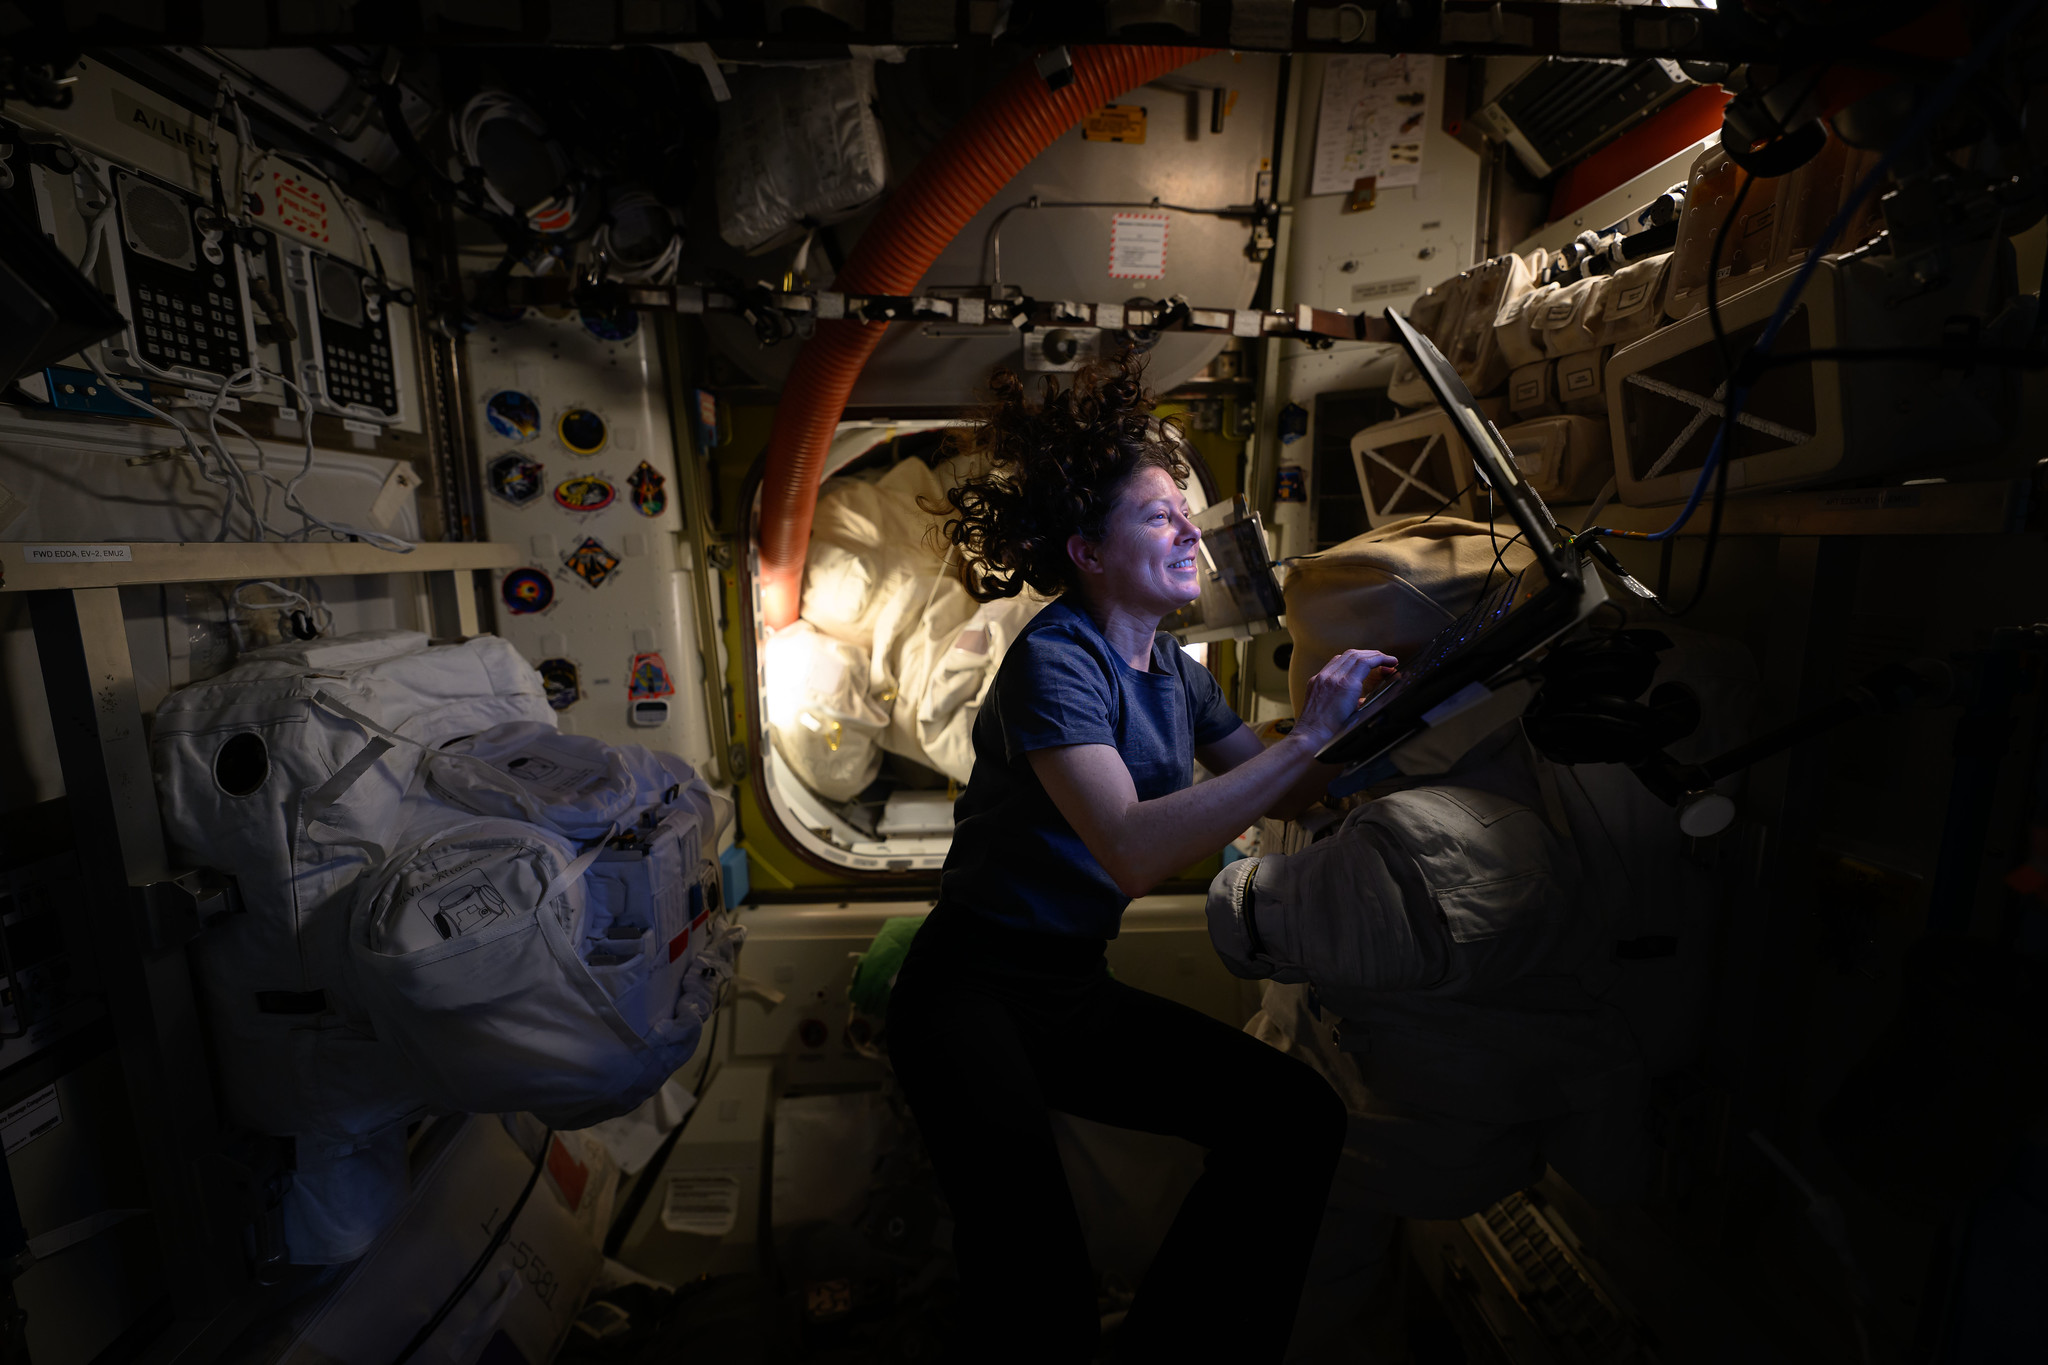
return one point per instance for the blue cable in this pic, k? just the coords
(1923, 122)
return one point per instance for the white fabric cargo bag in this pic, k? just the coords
(299, 772)
(537, 942)
(261, 778)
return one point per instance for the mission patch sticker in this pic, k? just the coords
(559, 679)
(591, 562)
(585, 493)
(582, 431)
(527, 591)
(515, 478)
(513, 415)
(649, 489)
(648, 678)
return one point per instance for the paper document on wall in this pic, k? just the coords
(706, 1203)
(1373, 114)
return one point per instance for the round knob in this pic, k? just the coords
(1061, 346)
(1705, 814)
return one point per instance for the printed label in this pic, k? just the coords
(469, 902)
(557, 775)
(1386, 289)
(361, 427)
(30, 1119)
(133, 113)
(300, 207)
(706, 1203)
(77, 554)
(1137, 246)
(1123, 123)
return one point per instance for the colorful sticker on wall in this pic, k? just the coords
(582, 430)
(649, 678)
(585, 493)
(650, 490)
(513, 415)
(617, 325)
(591, 562)
(559, 679)
(1290, 486)
(515, 478)
(526, 591)
(707, 422)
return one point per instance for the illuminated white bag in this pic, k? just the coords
(820, 717)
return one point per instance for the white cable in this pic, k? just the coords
(382, 540)
(614, 264)
(97, 220)
(191, 442)
(555, 214)
(316, 609)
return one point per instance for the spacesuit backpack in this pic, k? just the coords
(537, 938)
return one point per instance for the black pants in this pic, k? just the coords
(989, 1029)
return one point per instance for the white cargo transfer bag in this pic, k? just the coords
(297, 772)
(535, 943)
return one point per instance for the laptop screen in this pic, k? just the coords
(1490, 454)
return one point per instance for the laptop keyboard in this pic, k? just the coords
(1479, 618)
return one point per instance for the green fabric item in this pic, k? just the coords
(876, 971)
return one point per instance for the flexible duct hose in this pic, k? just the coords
(984, 151)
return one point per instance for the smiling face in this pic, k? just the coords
(1146, 562)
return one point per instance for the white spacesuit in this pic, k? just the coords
(1446, 956)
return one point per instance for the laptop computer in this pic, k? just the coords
(1509, 622)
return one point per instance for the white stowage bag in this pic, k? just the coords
(958, 682)
(820, 716)
(869, 538)
(298, 772)
(519, 970)
(936, 653)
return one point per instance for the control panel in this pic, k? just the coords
(344, 346)
(179, 278)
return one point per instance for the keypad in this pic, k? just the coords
(355, 341)
(360, 374)
(199, 329)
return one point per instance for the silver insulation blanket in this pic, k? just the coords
(798, 147)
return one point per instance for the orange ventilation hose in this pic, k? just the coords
(984, 151)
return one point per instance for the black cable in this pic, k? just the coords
(476, 1270)
(1493, 539)
(1721, 343)
(1729, 361)
(1438, 509)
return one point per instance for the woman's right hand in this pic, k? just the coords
(1336, 693)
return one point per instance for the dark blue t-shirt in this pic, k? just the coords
(1015, 859)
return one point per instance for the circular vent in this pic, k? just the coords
(159, 223)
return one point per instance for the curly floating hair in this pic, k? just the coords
(1054, 468)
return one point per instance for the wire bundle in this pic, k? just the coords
(554, 214)
(1745, 370)
(628, 267)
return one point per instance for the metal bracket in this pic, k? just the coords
(177, 911)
